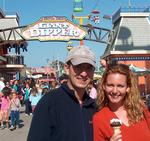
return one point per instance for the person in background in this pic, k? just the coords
(14, 110)
(119, 99)
(11, 83)
(27, 91)
(45, 85)
(92, 90)
(0, 107)
(65, 113)
(148, 102)
(2, 84)
(63, 79)
(34, 98)
(16, 86)
(45, 91)
(5, 105)
(39, 89)
(54, 84)
(7, 84)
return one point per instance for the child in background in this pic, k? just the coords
(14, 110)
(5, 105)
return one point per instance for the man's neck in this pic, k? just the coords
(78, 92)
(79, 95)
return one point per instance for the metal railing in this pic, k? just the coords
(12, 14)
(131, 10)
(135, 9)
(14, 59)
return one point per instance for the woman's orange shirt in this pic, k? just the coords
(103, 131)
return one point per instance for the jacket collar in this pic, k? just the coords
(87, 101)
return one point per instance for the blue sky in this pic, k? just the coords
(30, 11)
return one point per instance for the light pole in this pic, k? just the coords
(129, 4)
(58, 67)
(69, 46)
(80, 18)
(47, 61)
(4, 5)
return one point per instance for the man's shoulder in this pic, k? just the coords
(52, 94)
(55, 92)
(54, 98)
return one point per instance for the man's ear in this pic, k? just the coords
(66, 68)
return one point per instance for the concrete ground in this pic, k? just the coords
(18, 134)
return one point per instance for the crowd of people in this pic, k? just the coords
(15, 94)
(77, 109)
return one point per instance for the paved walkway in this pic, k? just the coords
(18, 134)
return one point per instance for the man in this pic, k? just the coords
(65, 114)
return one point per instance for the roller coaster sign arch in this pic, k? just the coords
(53, 28)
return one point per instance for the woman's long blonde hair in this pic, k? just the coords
(132, 102)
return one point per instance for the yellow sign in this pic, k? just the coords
(53, 28)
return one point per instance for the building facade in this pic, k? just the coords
(130, 42)
(11, 45)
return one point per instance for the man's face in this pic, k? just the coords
(80, 75)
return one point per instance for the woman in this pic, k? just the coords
(34, 97)
(119, 98)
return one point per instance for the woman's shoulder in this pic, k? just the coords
(103, 113)
(101, 122)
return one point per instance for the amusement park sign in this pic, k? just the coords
(53, 28)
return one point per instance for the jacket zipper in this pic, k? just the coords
(82, 121)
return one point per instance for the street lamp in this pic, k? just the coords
(47, 60)
(69, 46)
(4, 5)
(129, 4)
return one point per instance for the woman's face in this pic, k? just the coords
(116, 88)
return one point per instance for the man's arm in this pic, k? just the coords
(43, 120)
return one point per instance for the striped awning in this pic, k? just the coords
(139, 70)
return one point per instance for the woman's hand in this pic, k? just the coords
(116, 137)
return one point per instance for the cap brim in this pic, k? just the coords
(79, 60)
